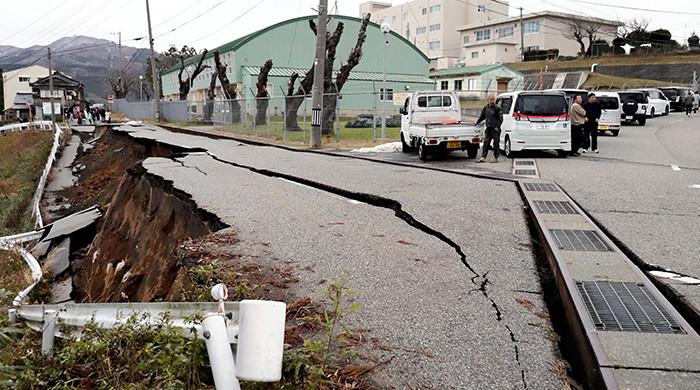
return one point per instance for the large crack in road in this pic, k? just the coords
(399, 212)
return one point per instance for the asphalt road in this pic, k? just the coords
(640, 187)
(416, 293)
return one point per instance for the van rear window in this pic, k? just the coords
(434, 101)
(671, 92)
(608, 103)
(541, 105)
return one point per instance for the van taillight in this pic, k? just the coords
(518, 116)
(565, 117)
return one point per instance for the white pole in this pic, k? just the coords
(260, 340)
(223, 368)
(49, 332)
(383, 100)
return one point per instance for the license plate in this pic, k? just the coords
(603, 127)
(628, 117)
(542, 126)
(454, 144)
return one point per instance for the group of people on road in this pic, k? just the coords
(89, 116)
(584, 124)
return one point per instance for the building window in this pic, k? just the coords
(434, 8)
(424, 11)
(532, 48)
(435, 27)
(386, 97)
(23, 79)
(443, 85)
(393, 19)
(471, 84)
(420, 30)
(483, 35)
(434, 45)
(475, 54)
(458, 85)
(466, 39)
(532, 27)
(505, 32)
(482, 8)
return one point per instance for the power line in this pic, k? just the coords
(637, 8)
(227, 24)
(192, 19)
(32, 23)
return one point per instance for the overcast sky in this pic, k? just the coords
(43, 21)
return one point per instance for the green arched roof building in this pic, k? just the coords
(291, 45)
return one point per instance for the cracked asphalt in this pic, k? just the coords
(338, 218)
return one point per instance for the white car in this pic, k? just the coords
(431, 122)
(535, 121)
(634, 107)
(611, 112)
(657, 102)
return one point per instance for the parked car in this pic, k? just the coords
(535, 121)
(431, 123)
(676, 97)
(571, 94)
(634, 107)
(657, 102)
(611, 115)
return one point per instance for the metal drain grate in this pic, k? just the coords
(526, 172)
(541, 187)
(580, 240)
(554, 207)
(524, 163)
(626, 307)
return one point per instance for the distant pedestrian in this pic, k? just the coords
(696, 102)
(593, 112)
(493, 116)
(578, 121)
(689, 100)
(108, 116)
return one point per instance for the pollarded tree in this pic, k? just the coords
(262, 100)
(331, 85)
(187, 83)
(211, 94)
(230, 90)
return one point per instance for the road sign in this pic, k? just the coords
(110, 97)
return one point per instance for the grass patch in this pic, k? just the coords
(585, 63)
(604, 81)
(23, 158)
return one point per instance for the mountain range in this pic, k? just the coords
(86, 59)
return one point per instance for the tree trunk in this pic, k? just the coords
(262, 100)
(211, 94)
(185, 84)
(330, 104)
(229, 90)
(291, 109)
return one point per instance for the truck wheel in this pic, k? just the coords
(406, 148)
(653, 112)
(507, 150)
(472, 151)
(615, 133)
(562, 153)
(422, 153)
(642, 121)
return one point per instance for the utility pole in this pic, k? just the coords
(319, 68)
(154, 73)
(522, 37)
(53, 114)
(385, 30)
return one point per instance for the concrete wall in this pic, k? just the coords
(11, 84)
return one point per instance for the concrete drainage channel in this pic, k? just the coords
(626, 333)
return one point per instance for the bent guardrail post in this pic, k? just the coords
(48, 332)
(223, 368)
(260, 340)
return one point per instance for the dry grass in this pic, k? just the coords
(585, 63)
(604, 81)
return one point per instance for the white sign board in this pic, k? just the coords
(46, 108)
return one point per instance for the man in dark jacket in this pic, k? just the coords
(493, 116)
(593, 112)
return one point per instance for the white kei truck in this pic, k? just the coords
(431, 122)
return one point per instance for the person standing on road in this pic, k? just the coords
(578, 120)
(493, 116)
(593, 112)
(689, 100)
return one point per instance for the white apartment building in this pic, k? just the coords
(432, 25)
(498, 41)
(17, 80)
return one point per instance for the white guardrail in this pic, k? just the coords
(15, 127)
(36, 201)
(256, 327)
